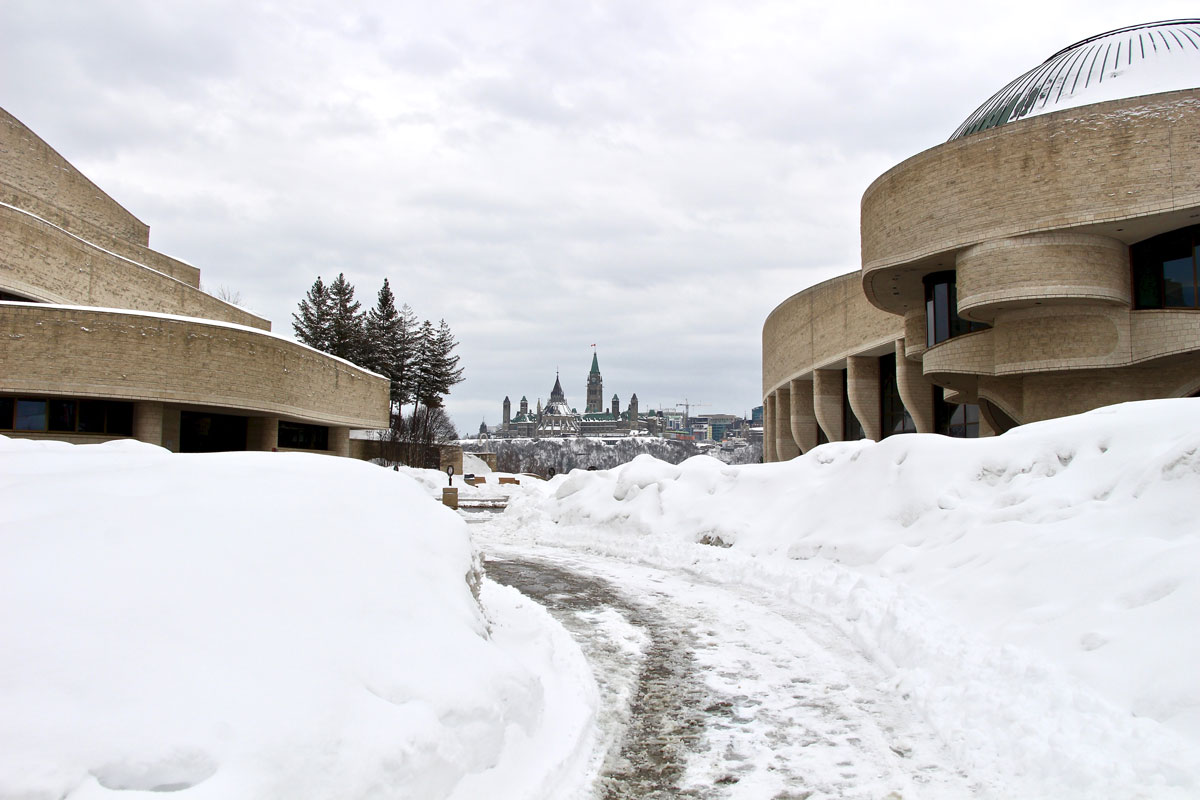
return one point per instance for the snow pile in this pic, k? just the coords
(1033, 594)
(473, 465)
(251, 625)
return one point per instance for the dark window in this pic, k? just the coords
(9, 296)
(960, 420)
(303, 437)
(119, 419)
(1164, 270)
(852, 429)
(31, 415)
(62, 415)
(66, 415)
(821, 437)
(91, 416)
(210, 433)
(942, 321)
(894, 415)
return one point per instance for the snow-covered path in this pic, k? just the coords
(715, 690)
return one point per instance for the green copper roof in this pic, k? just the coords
(595, 366)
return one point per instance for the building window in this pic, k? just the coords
(852, 429)
(202, 432)
(15, 298)
(298, 436)
(959, 420)
(1164, 270)
(942, 321)
(894, 415)
(66, 415)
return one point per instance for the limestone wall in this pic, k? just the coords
(48, 350)
(31, 168)
(44, 262)
(821, 326)
(1127, 169)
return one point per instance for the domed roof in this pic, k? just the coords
(1128, 62)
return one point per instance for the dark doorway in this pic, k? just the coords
(201, 432)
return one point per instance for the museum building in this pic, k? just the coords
(103, 338)
(1040, 263)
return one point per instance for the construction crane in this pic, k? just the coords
(687, 417)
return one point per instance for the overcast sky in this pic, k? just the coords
(649, 177)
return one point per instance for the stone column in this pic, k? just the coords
(339, 441)
(769, 428)
(827, 402)
(262, 433)
(148, 422)
(170, 428)
(862, 384)
(785, 445)
(915, 390)
(804, 419)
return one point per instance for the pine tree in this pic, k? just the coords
(312, 322)
(347, 337)
(445, 370)
(389, 337)
(407, 340)
(424, 368)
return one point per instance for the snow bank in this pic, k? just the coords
(252, 625)
(1035, 594)
(473, 465)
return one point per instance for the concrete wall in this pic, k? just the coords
(821, 326)
(1036, 217)
(1127, 169)
(34, 169)
(47, 350)
(41, 261)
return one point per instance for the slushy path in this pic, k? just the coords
(711, 690)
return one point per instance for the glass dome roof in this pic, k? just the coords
(1128, 62)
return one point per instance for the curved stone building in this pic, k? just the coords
(1042, 262)
(102, 337)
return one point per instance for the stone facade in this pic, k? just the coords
(113, 324)
(1033, 220)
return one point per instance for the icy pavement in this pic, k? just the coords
(712, 690)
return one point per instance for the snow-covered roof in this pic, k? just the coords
(1128, 62)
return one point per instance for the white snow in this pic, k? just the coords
(1006, 617)
(1033, 596)
(265, 625)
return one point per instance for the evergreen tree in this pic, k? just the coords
(408, 341)
(424, 368)
(312, 322)
(444, 364)
(390, 338)
(380, 331)
(347, 335)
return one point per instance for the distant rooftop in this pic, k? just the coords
(1128, 62)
